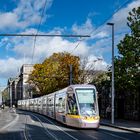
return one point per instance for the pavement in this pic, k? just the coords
(6, 116)
(133, 126)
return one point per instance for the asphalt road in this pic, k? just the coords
(31, 126)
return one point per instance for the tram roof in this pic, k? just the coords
(82, 86)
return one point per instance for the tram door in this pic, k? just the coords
(72, 108)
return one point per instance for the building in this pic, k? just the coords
(0, 98)
(18, 87)
(5, 96)
(12, 86)
(23, 85)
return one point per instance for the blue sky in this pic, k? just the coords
(60, 17)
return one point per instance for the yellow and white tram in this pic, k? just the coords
(76, 106)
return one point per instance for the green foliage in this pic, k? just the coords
(102, 82)
(5, 95)
(127, 65)
(53, 73)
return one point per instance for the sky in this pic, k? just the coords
(78, 17)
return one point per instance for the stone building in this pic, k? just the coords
(23, 85)
(12, 86)
(18, 88)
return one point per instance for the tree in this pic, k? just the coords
(87, 70)
(53, 73)
(127, 64)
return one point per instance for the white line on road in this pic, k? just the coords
(45, 128)
(93, 137)
(11, 123)
(115, 136)
(60, 128)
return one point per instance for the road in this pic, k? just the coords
(31, 126)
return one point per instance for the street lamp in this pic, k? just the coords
(112, 105)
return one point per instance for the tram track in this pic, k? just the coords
(33, 126)
(25, 130)
(45, 130)
(48, 126)
(40, 119)
(47, 120)
(57, 131)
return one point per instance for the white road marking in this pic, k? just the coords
(115, 136)
(11, 123)
(45, 128)
(60, 129)
(93, 137)
(25, 130)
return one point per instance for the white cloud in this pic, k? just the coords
(85, 28)
(120, 18)
(26, 13)
(95, 63)
(102, 36)
(45, 46)
(99, 35)
(10, 67)
(88, 29)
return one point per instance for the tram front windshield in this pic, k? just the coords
(87, 102)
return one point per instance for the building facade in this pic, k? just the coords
(18, 88)
(12, 86)
(23, 85)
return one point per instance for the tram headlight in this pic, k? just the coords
(96, 117)
(84, 117)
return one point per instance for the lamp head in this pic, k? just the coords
(109, 23)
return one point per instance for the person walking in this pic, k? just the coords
(108, 112)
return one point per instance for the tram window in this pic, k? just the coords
(87, 101)
(72, 106)
(61, 105)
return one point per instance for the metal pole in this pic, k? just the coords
(112, 103)
(112, 119)
(10, 95)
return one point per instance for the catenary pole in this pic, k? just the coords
(112, 89)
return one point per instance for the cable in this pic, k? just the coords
(105, 21)
(38, 30)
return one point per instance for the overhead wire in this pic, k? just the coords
(38, 30)
(105, 21)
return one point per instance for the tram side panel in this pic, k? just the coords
(23, 105)
(31, 104)
(27, 104)
(20, 104)
(50, 105)
(60, 107)
(44, 105)
(35, 104)
(40, 105)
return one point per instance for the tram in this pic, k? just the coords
(76, 106)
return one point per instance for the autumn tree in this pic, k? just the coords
(53, 73)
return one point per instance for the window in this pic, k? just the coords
(87, 101)
(72, 105)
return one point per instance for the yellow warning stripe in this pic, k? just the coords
(73, 116)
(84, 118)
